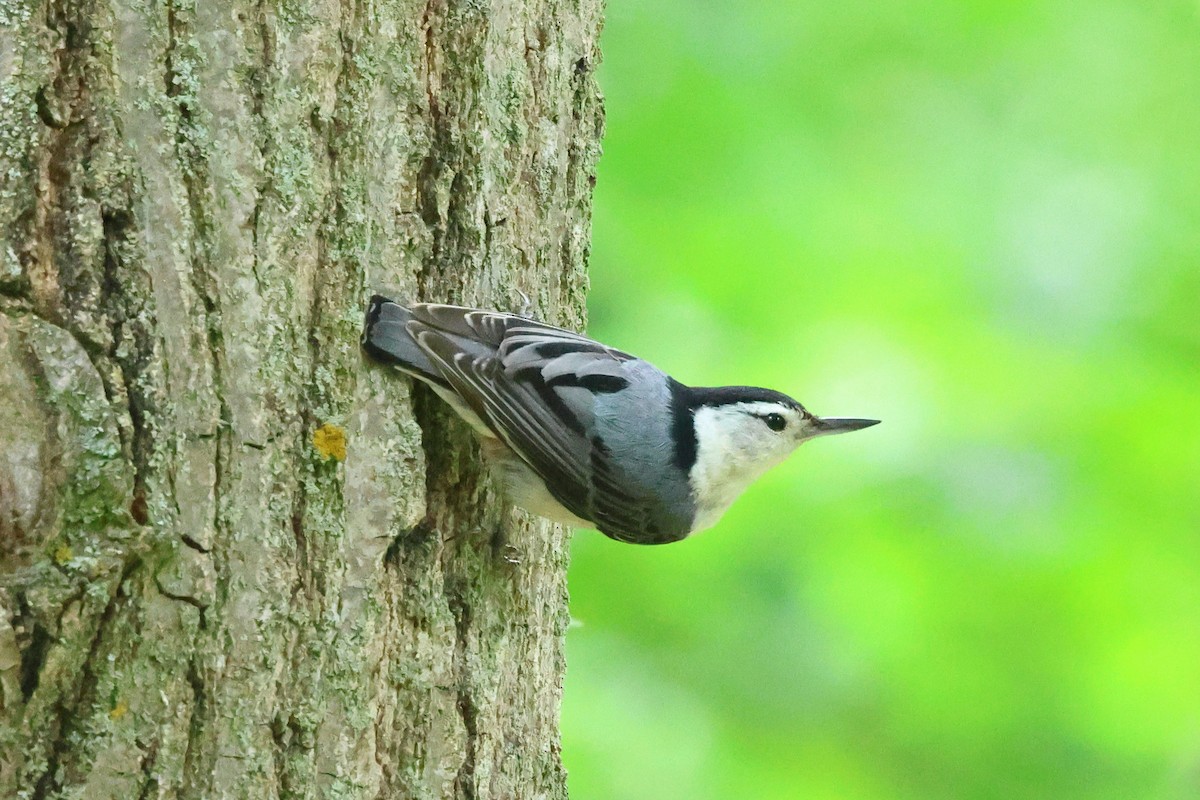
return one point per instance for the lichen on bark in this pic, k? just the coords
(197, 599)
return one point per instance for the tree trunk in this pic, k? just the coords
(235, 559)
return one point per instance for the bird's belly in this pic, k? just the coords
(708, 516)
(525, 489)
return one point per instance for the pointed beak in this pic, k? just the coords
(823, 426)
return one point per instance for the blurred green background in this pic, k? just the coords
(979, 222)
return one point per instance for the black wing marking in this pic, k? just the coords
(518, 413)
(533, 384)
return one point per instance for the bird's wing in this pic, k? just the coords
(622, 510)
(535, 386)
(490, 327)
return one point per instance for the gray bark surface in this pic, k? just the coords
(199, 598)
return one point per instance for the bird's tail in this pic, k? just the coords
(386, 338)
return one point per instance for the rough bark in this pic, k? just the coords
(198, 596)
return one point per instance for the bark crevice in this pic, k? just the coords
(71, 712)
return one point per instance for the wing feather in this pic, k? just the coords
(535, 385)
(520, 418)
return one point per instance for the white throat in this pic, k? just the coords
(728, 459)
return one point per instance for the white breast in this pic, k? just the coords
(728, 460)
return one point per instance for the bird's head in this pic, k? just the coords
(741, 432)
(760, 425)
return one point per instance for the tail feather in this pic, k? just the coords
(386, 338)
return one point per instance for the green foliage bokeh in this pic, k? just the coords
(979, 222)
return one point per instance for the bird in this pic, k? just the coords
(589, 436)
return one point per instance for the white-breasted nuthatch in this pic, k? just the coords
(587, 435)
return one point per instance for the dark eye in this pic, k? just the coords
(775, 422)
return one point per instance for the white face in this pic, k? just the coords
(737, 443)
(760, 431)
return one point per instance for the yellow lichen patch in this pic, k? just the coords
(330, 441)
(119, 710)
(63, 554)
